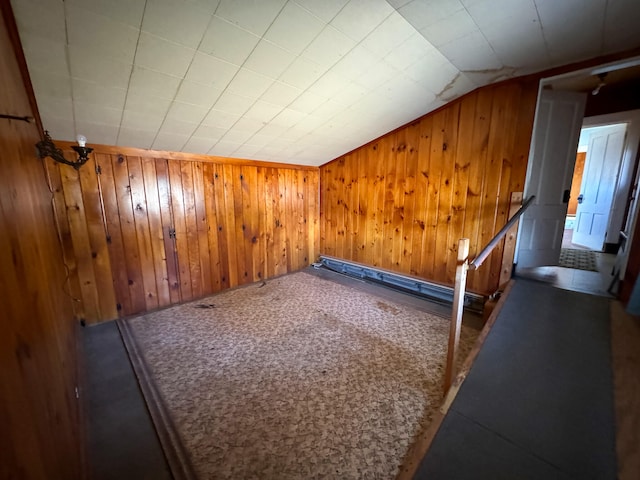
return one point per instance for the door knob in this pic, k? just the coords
(580, 198)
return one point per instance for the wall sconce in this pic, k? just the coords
(46, 148)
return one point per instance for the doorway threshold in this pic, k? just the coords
(593, 283)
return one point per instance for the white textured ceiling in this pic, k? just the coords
(295, 81)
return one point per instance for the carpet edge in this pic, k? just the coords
(176, 455)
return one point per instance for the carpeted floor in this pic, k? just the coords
(298, 377)
(578, 259)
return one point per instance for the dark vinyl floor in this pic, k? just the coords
(538, 401)
(122, 441)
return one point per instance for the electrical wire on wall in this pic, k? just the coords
(47, 177)
(101, 197)
(66, 288)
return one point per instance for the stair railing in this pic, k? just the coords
(463, 266)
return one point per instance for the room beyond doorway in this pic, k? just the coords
(595, 177)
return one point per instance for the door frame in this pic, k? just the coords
(632, 117)
(624, 179)
(613, 171)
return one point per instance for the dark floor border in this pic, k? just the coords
(175, 453)
(421, 446)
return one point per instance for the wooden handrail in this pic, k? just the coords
(484, 253)
(456, 315)
(463, 266)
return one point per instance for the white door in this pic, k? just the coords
(556, 130)
(598, 186)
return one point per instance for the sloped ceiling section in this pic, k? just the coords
(297, 81)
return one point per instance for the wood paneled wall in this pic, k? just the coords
(403, 201)
(576, 183)
(158, 228)
(40, 419)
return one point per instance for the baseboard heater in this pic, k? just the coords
(427, 290)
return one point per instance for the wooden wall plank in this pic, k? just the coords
(263, 198)
(375, 204)
(421, 198)
(445, 213)
(243, 254)
(391, 185)
(399, 198)
(94, 218)
(81, 244)
(250, 221)
(191, 229)
(348, 230)
(282, 242)
(524, 130)
(430, 253)
(305, 218)
(510, 241)
(493, 205)
(270, 194)
(338, 202)
(462, 164)
(314, 226)
(166, 220)
(179, 217)
(115, 243)
(156, 233)
(62, 222)
(287, 190)
(362, 208)
(327, 233)
(209, 182)
(202, 228)
(476, 151)
(236, 269)
(411, 141)
(298, 213)
(143, 234)
(505, 151)
(226, 226)
(471, 154)
(252, 213)
(126, 218)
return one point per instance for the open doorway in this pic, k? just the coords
(591, 200)
(551, 225)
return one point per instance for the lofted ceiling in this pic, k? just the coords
(293, 81)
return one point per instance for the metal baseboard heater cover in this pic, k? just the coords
(430, 291)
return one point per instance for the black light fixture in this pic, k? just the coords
(601, 76)
(46, 148)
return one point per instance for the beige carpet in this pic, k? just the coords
(298, 377)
